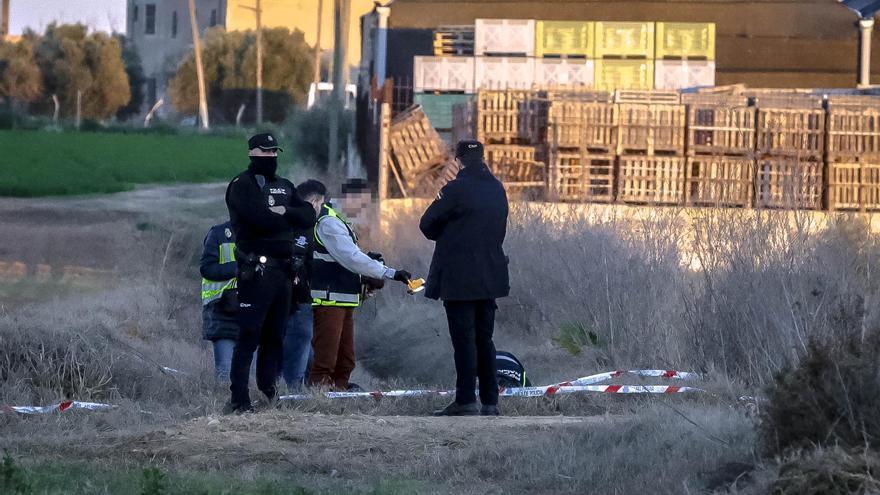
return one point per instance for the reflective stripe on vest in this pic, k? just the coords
(212, 290)
(330, 297)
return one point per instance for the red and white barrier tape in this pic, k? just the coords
(61, 407)
(580, 385)
(583, 384)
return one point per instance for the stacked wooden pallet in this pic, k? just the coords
(853, 153)
(498, 116)
(790, 146)
(420, 160)
(454, 41)
(581, 136)
(650, 147)
(720, 148)
(520, 168)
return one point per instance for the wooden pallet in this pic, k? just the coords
(523, 179)
(576, 124)
(495, 154)
(791, 132)
(651, 180)
(429, 182)
(581, 176)
(720, 126)
(853, 185)
(647, 96)
(454, 41)
(651, 129)
(854, 129)
(788, 183)
(417, 150)
(498, 116)
(720, 181)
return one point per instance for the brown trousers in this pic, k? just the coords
(333, 344)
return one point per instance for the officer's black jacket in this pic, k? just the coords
(468, 220)
(259, 231)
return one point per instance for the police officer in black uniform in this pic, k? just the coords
(265, 211)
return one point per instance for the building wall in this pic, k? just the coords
(763, 43)
(162, 51)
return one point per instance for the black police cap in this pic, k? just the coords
(469, 148)
(264, 141)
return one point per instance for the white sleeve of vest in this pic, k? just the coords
(342, 248)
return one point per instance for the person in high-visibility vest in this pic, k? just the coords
(219, 296)
(337, 267)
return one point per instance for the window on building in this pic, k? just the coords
(150, 18)
(213, 18)
(134, 14)
(174, 24)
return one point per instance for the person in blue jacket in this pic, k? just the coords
(219, 296)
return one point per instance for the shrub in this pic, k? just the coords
(828, 398)
(832, 471)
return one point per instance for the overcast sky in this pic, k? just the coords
(101, 15)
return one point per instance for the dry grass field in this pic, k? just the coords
(587, 297)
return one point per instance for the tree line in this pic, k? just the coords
(104, 72)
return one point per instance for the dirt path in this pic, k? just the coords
(348, 448)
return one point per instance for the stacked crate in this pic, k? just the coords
(720, 149)
(650, 147)
(790, 146)
(581, 140)
(439, 83)
(500, 123)
(685, 54)
(564, 51)
(853, 153)
(504, 50)
(624, 55)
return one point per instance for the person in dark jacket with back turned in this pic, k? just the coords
(468, 221)
(219, 296)
(265, 212)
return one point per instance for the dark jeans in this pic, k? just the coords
(297, 346)
(264, 306)
(471, 325)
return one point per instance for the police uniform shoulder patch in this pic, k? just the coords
(227, 232)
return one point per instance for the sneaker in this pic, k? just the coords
(456, 409)
(489, 410)
(231, 408)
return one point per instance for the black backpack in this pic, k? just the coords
(510, 371)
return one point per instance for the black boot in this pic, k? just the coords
(489, 410)
(231, 408)
(456, 409)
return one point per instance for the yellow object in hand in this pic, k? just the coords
(415, 285)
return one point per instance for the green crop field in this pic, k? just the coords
(40, 163)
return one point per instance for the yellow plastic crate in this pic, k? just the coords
(624, 74)
(625, 39)
(686, 40)
(560, 38)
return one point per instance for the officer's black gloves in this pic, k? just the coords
(402, 276)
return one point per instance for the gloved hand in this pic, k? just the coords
(402, 276)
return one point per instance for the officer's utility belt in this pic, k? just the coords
(252, 265)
